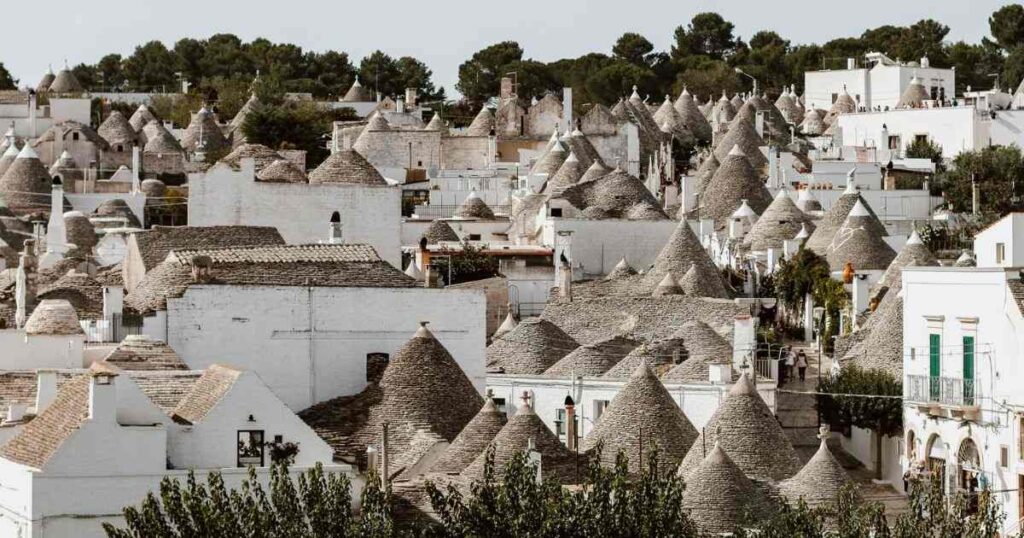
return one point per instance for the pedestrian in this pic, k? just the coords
(789, 362)
(801, 364)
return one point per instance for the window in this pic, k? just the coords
(968, 358)
(474, 237)
(921, 139)
(834, 97)
(74, 136)
(560, 422)
(1004, 456)
(894, 142)
(934, 365)
(599, 407)
(500, 404)
(556, 212)
(119, 148)
(250, 448)
(1000, 252)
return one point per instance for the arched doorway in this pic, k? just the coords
(970, 478)
(935, 456)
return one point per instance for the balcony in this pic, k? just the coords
(959, 396)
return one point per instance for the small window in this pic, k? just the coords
(500, 404)
(835, 96)
(74, 136)
(599, 407)
(120, 148)
(556, 212)
(894, 142)
(1004, 456)
(250, 448)
(560, 422)
(474, 237)
(921, 139)
(419, 164)
(1000, 252)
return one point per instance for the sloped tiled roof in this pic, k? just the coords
(143, 352)
(206, 393)
(43, 436)
(155, 243)
(165, 388)
(642, 416)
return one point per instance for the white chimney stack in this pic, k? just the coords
(335, 237)
(46, 389)
(743, 340)
(102, 396)
(113, 301)
(136, 169)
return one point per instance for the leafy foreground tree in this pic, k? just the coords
(315, 505)
(610, 503)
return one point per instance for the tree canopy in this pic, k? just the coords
(6, 81)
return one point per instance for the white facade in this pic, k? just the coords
(311, 344)
(955, 129)
(598, 244)
(879, 86)
(19, 351)
(962, 338)
(31, 120)
(123, 449)
(300, 211)
(1002, 243)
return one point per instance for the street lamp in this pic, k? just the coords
(741, 72)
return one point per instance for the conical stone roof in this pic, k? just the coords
(819, 482)
(159, 139)
(531, 348)
(596, 171)
(661, 355)
(722, 113)
(914, 96)
(262, 155)
(53, 317)
(593, 360)
(472, 440)
(524, 428)
(668, 286)
(282, 171)
(65, 82)
(742, 134)
(781, 221)
(567, 175)
(683, 250)
(807, 202)
(913, 252)
(966, 259)
(203, 133)
(26, 184)
(550, 162)
(813, 124)
(615, 195)
(44, 83)
(584, 149)
(700, 280)
(507, 326)
(346, 166)
(438, 231)
(116, 130)
(140, 118)
(239, 119)
(621, 270)
(482, 124)
(833, 220)
(7, 159)
(857, 242)
(473, 207)
(734, 181)
(357, 94)
(436, 124)
(745, 428)
(704, 347)
(692, 117)
(719, 498)
(642, 417)
(706, 172)
(844, 105)
(736, 101)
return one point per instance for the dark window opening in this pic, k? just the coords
(250, 448)
(474, 237)
(556, 212)
(74, 136)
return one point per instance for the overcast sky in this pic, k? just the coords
(442, 33)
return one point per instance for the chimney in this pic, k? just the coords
(860, 295)
(201, 268)
(564, 278)
(851, 63)
(533, 458)
(46, 389)
(570, 423)
(334, 236)
(567, 124)
(136, 169)
(102, 396)
(430, 276)
(506, 91)
(372, 459)
(720, 373)
(410, 97)
(15, 413)
(32, 114)
(400, 104)
(113, 301)
(743, 339)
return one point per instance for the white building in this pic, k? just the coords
(313, 320)
(29, 119)
(878, 86)
(97, 441)
(255, 186)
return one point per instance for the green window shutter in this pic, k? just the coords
(934, 364)
(968, 370)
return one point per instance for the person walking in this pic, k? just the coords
(801, 364)
(790, 357)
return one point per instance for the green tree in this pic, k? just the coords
(924, 148)
(480, 76)
(708, 34)
(110, 71)
(633, 48)
(7, 82)
(974, 63)
(883, 415)
(315, 505)
(415, 74)
(380, 72)
(188, 55)
(1013, 69)
(1007, 26)
(294, 125)
(616, 80)
(224, 56)
(151, 67)
(999, 172)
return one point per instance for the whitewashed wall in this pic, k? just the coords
(301, 212)
(600, 244)
(267, 330)
(21, 352)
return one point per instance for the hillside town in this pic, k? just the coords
(775, 290)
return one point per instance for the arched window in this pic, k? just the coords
(911, 446)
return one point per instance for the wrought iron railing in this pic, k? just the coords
(953, 391)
